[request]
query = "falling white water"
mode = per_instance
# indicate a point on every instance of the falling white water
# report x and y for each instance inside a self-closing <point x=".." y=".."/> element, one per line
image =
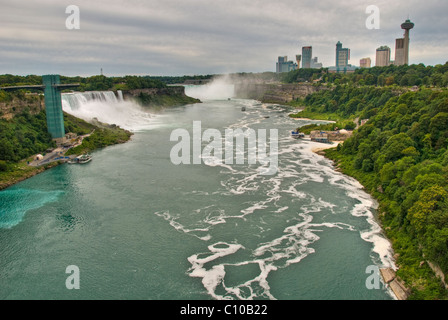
<point x="106" y="107"/>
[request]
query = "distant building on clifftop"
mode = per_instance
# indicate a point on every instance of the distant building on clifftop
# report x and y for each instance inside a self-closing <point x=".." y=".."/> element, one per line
<point x="342" y="58"/>
<point x="283" y="65"/>
<point x="382" y="56"/>
<point x="307" y="54"/>
<point x="365" y="63"/>
<point x="315" y="64"/>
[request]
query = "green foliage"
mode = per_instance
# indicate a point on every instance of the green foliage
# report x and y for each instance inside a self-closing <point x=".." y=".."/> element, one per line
<point x="76" y="125"/>
<point x="24" y="136"/>
<point x="134" y="82"/>
<point x="93" y="83"/>
<point x="181" y="79"/>
<point x="12" y="80"/>
<point x="348" y="101"/>
<point x="303" y="75"/>
<point x="101" y="138"/>
<point x="164" y="100"/>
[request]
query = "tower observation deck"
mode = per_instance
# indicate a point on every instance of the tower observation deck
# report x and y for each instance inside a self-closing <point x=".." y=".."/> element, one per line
<point x="402" y="45"/>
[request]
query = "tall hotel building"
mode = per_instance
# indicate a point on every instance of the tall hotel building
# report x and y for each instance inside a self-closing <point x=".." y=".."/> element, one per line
<point x="342" y="56"/>
<point x="307" y="54"/>
<point x="382" y="56"/>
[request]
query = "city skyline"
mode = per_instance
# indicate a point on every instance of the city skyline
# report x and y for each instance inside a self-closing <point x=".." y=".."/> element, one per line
<point x="382" y="54"/>
<point x="199" y="37"/>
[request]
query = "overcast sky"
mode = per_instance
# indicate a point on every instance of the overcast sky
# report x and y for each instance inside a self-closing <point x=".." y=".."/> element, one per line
<point x="187" y="37"/>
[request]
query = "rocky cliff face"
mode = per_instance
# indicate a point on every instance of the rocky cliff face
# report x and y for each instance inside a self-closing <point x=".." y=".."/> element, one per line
<point x="33" y="103"/>
<point x="275" y="93"/>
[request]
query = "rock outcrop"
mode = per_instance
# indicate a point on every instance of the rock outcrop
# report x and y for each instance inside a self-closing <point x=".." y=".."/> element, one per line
<point x="275" y="93"/>
<point x="397" y="286"/>
<point x="33" y="103"/>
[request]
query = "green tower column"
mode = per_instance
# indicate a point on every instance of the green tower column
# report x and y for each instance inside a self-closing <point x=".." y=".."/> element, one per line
<point x="53" y="106"/>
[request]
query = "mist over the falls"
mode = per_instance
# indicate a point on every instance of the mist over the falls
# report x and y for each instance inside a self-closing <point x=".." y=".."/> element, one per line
<point x="220" y="88"/>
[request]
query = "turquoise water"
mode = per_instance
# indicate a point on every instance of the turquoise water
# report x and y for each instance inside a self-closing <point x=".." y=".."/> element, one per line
<point x="139" y="227"/>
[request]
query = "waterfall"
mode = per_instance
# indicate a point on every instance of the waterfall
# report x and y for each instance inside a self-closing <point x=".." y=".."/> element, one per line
<point x="107" y="107"/>
<point x="76" y="100"/>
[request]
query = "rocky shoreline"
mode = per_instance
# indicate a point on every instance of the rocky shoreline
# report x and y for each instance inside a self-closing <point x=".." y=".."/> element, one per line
<point x="396" y="285"/>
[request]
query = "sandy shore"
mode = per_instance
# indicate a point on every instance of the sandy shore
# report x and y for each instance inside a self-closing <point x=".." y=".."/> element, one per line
<point x="301" y="118"/>
<point x="308" y="119"/>
<point x="326" y="146"/>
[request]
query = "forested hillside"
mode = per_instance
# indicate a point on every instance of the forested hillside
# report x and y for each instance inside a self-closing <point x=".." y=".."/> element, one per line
<point x="401" y="156"/>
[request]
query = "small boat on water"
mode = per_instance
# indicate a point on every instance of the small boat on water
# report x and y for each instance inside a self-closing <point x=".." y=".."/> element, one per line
<point x="81" y="159"/>
<point x="243" y="108"/>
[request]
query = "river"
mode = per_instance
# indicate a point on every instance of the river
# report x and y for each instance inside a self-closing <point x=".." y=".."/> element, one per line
<point x="138" y="226"/>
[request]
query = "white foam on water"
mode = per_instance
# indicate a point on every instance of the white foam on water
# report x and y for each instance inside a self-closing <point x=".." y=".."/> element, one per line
<point x="298" y="165"/>
<point x="179" y="227"/>
<point x="213" y="277"/>
<point x="290" y="248"/>
<point x="382" y="247"/>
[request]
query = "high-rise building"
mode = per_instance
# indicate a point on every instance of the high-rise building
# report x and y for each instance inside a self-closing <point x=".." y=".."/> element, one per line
<point x="399" y="52"/>
<point x="342" y="56"/>
<point x="402" y="44"/>
<point x="382" y="56"/>
<point x="365" y="63"/>
<point x="307" y="54"/>
<point x="283" y="65"/>
<point x="315" y="64"/>
<point x="280" y="62"/>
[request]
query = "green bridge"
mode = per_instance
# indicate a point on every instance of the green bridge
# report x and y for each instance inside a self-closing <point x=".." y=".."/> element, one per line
<point x="53" y="103"/>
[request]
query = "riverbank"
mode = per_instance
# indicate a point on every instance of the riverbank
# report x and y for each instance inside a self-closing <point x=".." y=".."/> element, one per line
<point x="397" y="286"/>
<point x="321" y="149"/>
<point x="104" y="135"/>
<point x="21" y="172"/>
<point x="416" y="276"/>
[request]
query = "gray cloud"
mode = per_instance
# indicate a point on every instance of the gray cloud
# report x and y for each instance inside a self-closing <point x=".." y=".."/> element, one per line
<point x="201" y="36"/>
